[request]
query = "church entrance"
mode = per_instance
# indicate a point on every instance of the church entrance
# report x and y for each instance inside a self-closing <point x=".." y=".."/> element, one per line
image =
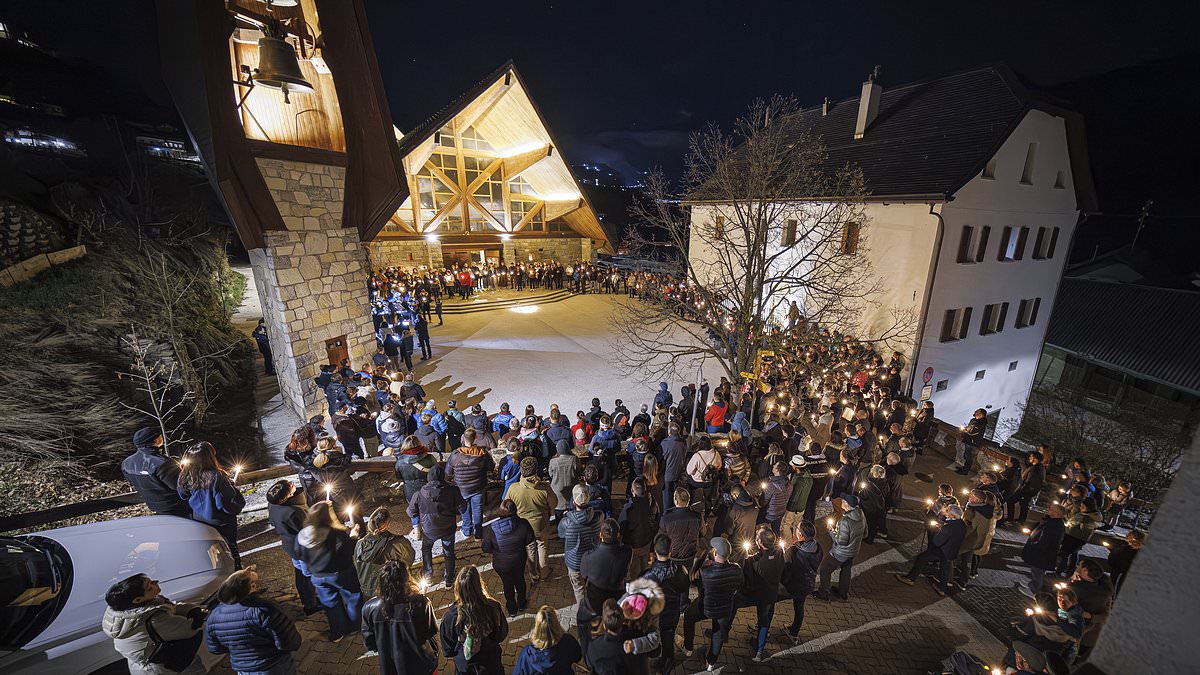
<point x="469" y="255"/>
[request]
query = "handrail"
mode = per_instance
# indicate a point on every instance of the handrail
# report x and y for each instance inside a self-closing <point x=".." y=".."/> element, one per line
<point x="21" y="521"/>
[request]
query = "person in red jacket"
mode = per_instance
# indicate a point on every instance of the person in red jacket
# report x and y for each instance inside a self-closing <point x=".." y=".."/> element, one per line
<point x="714" y="417"/>
<point x="465" y="283"/>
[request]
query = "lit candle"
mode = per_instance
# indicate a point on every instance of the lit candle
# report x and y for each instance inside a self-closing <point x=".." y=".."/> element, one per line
<point x="966" y="491"/>
<point x="1028" y="611"/>
<point x="934" y="523"/>
<point x="1056" y="502"/>
<point x="830" y="522"/>
<point x="995" y="467"/>
<point x="1026" y="530"/>
<point x="1064" y="476"/>
<point x="862" y="485"/>
<point x="832" y="472"/>
<point x="1106" y="544"/>
<point x="328" y="490"/>
<point x="183" y="461"/>
<point x="914" y="412"/>
<point x="763" y="485"/>
<point x="746" y="546"/>
<point x="1062" y="491"/>
<point x="237" y="469"/>
<point x="350" y="515"/>
<point x="929" y="501"/>
<point x="997" y="670"/>
<point x="422" y="584"/>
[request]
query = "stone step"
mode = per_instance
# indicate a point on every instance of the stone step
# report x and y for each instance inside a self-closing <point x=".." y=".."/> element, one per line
<point x="489" y="305"/>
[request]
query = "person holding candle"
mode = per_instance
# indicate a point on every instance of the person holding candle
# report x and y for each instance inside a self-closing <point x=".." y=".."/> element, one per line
<point x="942" y="548"/>
<point x="1041" y="549"/>
<point x="400" y="625"/>
<point x="154" y="475"/>
<point x="286" y="510"/>
<point x="763" y="572"/>
<point x="847" y="534"/>
<point x="205" y="486"/>
<point x="720" y="581"/>
<point x="436" y="507"/>
<point x="326" y="548"/>
<point x="971" y="439"/>
<point x="802" y="559"/>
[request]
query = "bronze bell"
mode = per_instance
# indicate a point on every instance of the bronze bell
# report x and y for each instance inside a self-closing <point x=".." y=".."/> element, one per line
<point x="278" y="67"/>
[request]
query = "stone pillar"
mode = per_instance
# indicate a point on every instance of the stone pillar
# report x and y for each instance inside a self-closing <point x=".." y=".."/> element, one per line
<point x="585" y="250"/>
<point x="311" y="279"/>
<point x="1151" y="626"/>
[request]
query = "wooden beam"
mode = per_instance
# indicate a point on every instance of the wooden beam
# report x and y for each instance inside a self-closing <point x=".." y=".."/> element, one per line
<point x="517" y="164"/>
<point x="529" y="216"/>
<point x="481" y="106"/>
<point x="558" y="209"/>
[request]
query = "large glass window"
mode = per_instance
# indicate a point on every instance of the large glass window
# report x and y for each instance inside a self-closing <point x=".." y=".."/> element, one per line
<point x="471" y="140"/>
<point x="447" y="163"/>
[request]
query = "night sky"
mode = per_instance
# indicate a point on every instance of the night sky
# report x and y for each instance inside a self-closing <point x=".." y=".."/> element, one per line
<point x="624" y="83"/>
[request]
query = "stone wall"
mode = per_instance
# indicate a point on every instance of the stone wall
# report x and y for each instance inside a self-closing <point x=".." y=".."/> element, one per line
<point x="565" y="250"/>
<point x="405" y="253"/>
<point x="311" y="279"/>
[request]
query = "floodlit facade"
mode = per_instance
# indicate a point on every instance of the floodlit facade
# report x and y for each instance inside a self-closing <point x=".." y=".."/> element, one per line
<point x="487" y="183"/>
<point x="975" y="189"/>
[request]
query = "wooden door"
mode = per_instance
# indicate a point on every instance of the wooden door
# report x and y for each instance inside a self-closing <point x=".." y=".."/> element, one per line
<point x="335" y="349"/>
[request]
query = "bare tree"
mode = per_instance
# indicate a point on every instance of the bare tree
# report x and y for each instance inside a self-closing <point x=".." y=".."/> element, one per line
<point x="163" y="394"/>
<point x="771" y="221"/>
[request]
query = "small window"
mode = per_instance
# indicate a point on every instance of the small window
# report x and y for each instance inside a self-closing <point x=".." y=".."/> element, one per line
<point x="1060" y="180"/>
<point x="955" y="324"/>
<point x="979" y="375"/>
<point x="789" y="234"/>
<point x="850" y="232"/>
<point x="989" y="169"/>
<point x="1012" y="365"/>
<point x="993" y="318"/>
<point x="973" y="244"/>
<point x="1045" y="243"/>
<point x="1053" y="243"/>
<point x="1012" y="244"/>
<point x="942" y="385"/>
<point x="1030" y="160"/>
<point x="1027" y="312"/>
<point x="719" y="228"/>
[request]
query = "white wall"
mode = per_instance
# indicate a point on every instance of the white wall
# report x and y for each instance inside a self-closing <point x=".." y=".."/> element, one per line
<point x="999" y="202"/>
<point x="898" y="240"/>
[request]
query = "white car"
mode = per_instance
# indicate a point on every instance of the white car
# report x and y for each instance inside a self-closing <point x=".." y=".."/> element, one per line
<point x="53" y="583"/>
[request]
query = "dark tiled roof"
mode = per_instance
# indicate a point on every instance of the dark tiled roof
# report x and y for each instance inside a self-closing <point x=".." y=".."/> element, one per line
<point x="930" y="137"/>
<point x="443" y="116"/>
<point x="1153" y="333"/>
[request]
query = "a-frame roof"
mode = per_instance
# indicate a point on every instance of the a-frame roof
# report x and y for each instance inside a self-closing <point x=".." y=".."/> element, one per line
<point x="501" y="110"/>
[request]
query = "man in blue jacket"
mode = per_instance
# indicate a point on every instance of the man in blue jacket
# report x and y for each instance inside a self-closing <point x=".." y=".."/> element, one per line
<point x="255" y="632"/>
<point x="154" y="475"/>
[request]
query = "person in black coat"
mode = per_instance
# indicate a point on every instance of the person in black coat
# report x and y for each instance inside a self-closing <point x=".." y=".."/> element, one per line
<point x="1041" y="549"/>
<point x="400" y="625"/>
<point x="604" y="569"/>
<point x="505" y="539"/>
<point x="942" y="548"/>
<point x="155" y="476"/>
<point x="720" y="581"/>
<point x="800" y="573"/>
<point x="673" y="579"/>
<point x="1030" y="483"/>
<point x="971" y="439"/>
<point x="638" y="526"/>
<point x="473" y="628"/>
<point x="326" y="548"/>
<point x="763" y="572"/>
<point x="286" y="509"/>
<point x="436" y="507"/>
<point x="609" y="654"/>
<point x="683" y="526"/>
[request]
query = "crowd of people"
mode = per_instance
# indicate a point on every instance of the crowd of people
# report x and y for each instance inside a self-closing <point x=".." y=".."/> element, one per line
<point x="696" y="506"/>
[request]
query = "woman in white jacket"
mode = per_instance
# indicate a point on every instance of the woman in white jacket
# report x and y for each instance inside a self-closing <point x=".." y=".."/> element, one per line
<point x="135" y="608"/>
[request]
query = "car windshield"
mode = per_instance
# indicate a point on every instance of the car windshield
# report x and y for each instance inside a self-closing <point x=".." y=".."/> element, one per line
<point x="35" y="575"/>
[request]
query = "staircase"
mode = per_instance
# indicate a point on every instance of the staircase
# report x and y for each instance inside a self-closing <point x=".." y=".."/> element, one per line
<point x="478" y="304"/>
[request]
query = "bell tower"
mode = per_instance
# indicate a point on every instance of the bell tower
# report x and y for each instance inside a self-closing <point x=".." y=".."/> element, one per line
<point x="284" y="102"/>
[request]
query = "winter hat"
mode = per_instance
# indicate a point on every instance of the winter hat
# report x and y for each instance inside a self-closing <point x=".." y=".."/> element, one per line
<point x="476" y="409"/>
<point x="580" y="435"/>
<point x="390" y="426"/>
<point x="145" y="436"/>
<point x="529" y="467"/>
<point x="721" y="546"/>
<point x="644" y="407"/>
<point x="850" y="500"/>
<point x="633" y="606"/>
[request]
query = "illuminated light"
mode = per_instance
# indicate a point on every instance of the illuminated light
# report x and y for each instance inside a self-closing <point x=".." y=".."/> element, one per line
<point x="1038" y="610"/>
<point x="966" y="491"/>
<point x="350" y="513"/>
<point x="1060" y="585"/>
<point x="183" y="461"/>
<point x="1106" y="544"/>
<point x="522" y="148"/>
<point x="862" y="485"/>
<point x="995" y="467"/>
<point x="934" y="523"/>
<point x="328" y="491"/>
<point x="1028" y="611"/>
<point x="237" y="469"/>
<point x="1026" y="530"/>
<point x="432" y="236"/>
<point x="929" y="501"/>
<point x="782" y="545"/>
<point x="763" y="485"/>
<point x="746" y="546"/>
<point x="422" y="584"/>
<point x="832" y="472"/>
<point x="1064" y="476"/>
<point x="914" y="412"/>
<point x="830" y="522"/>
<point x="997" y="670"/>
<point x="1057" y="503"/>
<point x="504" y="236"/>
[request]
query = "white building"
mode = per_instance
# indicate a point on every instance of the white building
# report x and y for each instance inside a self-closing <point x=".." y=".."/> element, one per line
<point x="976" y="186"/>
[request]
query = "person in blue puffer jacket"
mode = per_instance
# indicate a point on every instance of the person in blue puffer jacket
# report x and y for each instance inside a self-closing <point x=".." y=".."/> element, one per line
<point x="552" y="651"/>
<point x="257" y="634"/>
<point x="208" y="490"/>
<point x="502" y="420"/>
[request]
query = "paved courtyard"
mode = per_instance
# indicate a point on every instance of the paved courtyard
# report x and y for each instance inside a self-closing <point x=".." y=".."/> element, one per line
<point x="562" y="352"/>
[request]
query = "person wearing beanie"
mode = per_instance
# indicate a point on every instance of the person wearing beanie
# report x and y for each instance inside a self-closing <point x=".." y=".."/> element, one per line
<point x="535" y="501"/>
<point x="580" y="531"/>
<point x="847" y="534"/>
<point x="564" y="474"/>
<point x="720" y="581"/>
<point x="507" y="539"/>
<point x="153" y="475"/>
